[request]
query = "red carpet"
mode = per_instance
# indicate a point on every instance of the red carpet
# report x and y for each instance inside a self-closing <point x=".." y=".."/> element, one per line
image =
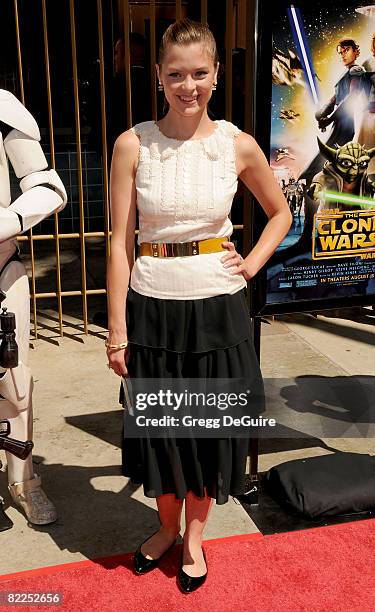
<point x="330" y="569"/>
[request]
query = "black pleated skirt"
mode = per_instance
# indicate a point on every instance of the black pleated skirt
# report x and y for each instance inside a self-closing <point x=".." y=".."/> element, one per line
<point x="203" y="338"/>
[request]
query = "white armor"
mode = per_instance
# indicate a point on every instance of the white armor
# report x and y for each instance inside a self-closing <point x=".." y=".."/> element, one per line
<point x="42" y="194"/>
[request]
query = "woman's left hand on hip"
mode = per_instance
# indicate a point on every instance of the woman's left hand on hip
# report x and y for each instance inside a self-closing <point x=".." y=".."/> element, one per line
<point x="236" y="262"/>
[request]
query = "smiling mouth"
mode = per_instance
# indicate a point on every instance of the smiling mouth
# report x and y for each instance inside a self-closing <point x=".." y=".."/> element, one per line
<point x="188" y="98"/>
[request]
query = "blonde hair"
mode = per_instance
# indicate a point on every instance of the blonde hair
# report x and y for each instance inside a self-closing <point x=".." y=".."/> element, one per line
<point x="184" y="32"/>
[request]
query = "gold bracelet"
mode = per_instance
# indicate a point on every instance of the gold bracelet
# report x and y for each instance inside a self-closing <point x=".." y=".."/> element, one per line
<point x="122" y="345"/>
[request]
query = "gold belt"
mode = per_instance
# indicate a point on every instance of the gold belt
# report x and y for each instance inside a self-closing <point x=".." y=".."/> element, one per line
<point x="181" y="249"/>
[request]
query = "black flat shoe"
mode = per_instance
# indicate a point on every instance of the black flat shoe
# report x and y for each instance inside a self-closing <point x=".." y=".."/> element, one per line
<point x="187" y="583"/>
<point x="141" y="564"/>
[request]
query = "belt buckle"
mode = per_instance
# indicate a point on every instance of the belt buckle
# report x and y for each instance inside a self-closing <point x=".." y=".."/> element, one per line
<point x="180" y="249"/>
<point x="175" y="249"/>
<point x="185" y="249"/>
<point x="188" y="248"/>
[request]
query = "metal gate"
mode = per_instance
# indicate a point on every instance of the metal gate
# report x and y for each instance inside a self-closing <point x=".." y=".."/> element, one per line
<point x="85" y="69"/>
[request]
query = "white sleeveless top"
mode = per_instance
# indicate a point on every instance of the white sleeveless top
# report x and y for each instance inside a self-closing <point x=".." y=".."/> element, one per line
<point x="185" y="190"/>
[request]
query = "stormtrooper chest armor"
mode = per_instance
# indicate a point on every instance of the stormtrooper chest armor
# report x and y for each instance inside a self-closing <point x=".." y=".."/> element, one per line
<point x="42" y="190"/>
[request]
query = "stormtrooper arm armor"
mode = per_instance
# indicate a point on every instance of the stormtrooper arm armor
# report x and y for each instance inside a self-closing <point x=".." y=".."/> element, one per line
<point x="43" y="192"/>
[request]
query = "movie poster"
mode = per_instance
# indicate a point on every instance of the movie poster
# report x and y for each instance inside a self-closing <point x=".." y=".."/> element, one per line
<point x="322" y="149"/>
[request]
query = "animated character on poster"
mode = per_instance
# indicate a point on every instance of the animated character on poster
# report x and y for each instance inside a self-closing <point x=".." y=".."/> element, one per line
<point x="339" y="110"/>
<point x="294" y="195"/>
<point x="366" y="135"/>
<point x="345" y="171"/>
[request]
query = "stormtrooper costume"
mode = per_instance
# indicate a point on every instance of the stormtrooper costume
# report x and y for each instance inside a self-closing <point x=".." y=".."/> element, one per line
<point x="43" y="193"/>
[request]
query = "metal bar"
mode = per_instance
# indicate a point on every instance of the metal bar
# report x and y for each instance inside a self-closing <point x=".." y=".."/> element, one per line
<point x="254" y="457"/>
<point x="53" y="162"/>
<point x="178" y="9"/>
<point x="53" y="294"/>
<point x="22" y="91"/>
<point x="104" y="127"/>
<point x="129" y="119"/>
<point x="250" y="65"/>
<point x="19" y="55"/>
<point x="79" y="163"/>
<point x="241" y="24"/>
<point x="64" y="236"/>
<point x="204" y="11"/>
<point x="248" y="213"/>
<point x="153" y="60"/>
<point x="254" y="442"/>
<point x="250" y="87"/>
<point x="249" y="122"/>
<point x="228" y="59"/>
<point x="33" y="283"/>
<point x="48" y="84"/>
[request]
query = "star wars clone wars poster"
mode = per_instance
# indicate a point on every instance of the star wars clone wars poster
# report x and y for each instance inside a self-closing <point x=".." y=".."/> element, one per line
<point x="322" y="150"/>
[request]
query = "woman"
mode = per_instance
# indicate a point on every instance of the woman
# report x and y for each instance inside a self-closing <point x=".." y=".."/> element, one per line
<point x="186" y="313"/>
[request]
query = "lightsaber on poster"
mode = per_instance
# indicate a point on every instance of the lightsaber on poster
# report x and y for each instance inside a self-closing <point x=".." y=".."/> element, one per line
<point x="334" y="196"/>
<point x="300" y="39"/>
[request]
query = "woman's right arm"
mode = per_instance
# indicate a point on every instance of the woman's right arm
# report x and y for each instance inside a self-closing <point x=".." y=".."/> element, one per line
<point x="120" y="262"/>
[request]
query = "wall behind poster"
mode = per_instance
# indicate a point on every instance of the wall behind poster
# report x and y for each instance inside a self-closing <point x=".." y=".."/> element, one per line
<point x="329" y="252"/>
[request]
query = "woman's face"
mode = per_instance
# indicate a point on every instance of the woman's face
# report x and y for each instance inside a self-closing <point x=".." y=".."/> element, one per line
<point x="187" y="74"/>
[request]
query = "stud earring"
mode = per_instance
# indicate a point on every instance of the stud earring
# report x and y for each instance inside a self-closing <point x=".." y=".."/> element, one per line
<point x="214" y="87"/>
<point x="160" y="87"/>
